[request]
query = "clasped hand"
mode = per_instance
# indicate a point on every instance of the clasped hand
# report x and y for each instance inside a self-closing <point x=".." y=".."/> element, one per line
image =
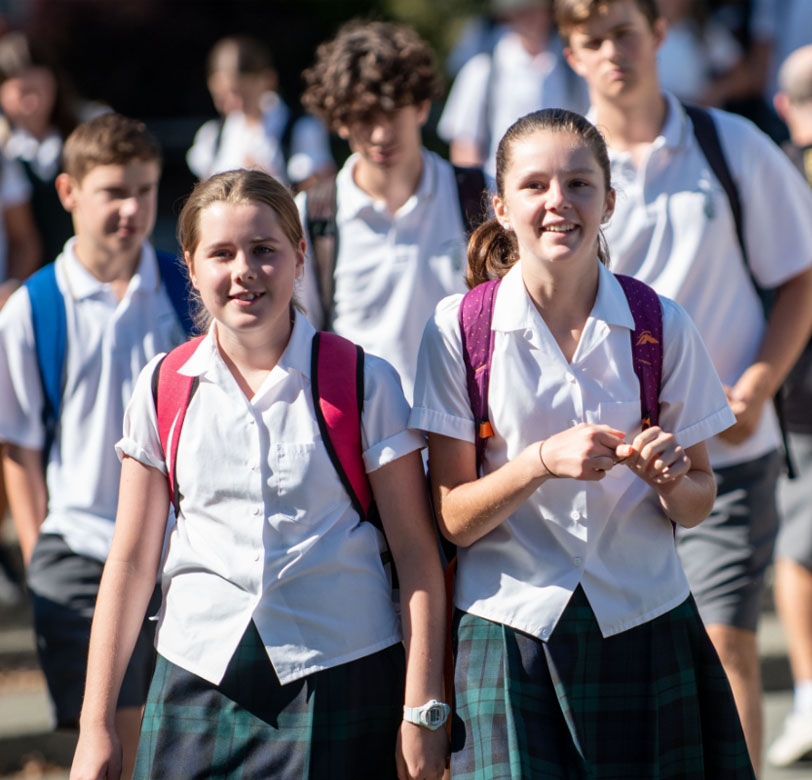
<point x="587" y="452"/>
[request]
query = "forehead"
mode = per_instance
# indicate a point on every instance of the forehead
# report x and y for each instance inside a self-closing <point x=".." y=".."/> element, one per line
<point x="132" y="173"/>
<point x="222" y="219"/>
<point x="548" y="151"/>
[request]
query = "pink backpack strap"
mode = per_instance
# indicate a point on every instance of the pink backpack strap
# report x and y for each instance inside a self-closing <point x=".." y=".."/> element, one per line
<point x="337" y="383"/>
<point x="647" y="345"/>
<point x="172" y="393"/>
<point x="475" y="318"/>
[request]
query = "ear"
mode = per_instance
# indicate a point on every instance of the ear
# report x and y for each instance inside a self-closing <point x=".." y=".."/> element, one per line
<point x="660" y="30"/>
<point x="300" y="258"/>
<point x="608" y="206"/>
<point x="423" y="112"/>
<point x="500" y="211"/>
<point x="66" y="188"/>
<point x="343" y="132"/>
<point x="574" y="62"/>
<point x="782" y="106"/>
<point x="190" y="268"/>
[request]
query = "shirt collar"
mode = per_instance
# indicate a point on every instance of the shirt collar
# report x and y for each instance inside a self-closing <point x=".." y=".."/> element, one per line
<point x="354" y="200"/>
<point x="296" y="356"/>
<point x="514" y="309"/>
<point x="83" y="284"/>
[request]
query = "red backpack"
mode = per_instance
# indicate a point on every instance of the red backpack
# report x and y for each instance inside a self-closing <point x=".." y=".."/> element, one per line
<point x="337" y="384"/>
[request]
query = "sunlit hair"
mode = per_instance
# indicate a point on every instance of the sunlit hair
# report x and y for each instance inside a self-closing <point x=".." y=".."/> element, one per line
<point x="109" y="139"/>
<point x="369" y="68"/>
<point x="492" y="250"/>
<point x="238" y="187"/>
<point x="570" y="13"/>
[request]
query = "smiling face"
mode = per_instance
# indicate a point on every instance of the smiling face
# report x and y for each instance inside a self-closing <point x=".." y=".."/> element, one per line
<point x="554" y="197"/>
<point x="244" y="267"/>
<point x="615" y="51"/>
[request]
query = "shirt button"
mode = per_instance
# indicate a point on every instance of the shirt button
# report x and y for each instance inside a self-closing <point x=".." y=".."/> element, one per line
<point x="577" y="561"/>
<point x="528" y="334"/>
<point x="570" y="378"/>
<point x="573" y="423"/>
<point x="575" y="516"/>
<point x="256" y="556"/>
<point x="256" y="510"/>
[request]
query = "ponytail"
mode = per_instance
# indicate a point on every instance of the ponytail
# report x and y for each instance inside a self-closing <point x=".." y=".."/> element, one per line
<point x="492" y="251"/>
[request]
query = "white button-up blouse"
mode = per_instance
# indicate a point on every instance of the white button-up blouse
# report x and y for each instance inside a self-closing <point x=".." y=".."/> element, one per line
<point x="611" y="536"/>
<point x="265" y="530"/>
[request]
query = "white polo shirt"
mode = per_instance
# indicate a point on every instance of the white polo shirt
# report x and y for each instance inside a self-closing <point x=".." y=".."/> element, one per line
<point x="673" y="229"/>
<point x="108" y="343"/>
<point x="611" y="536"/>
<point x="492" y="90"/>
<point x="391" y="270"/>
<point x="266" y="530"/>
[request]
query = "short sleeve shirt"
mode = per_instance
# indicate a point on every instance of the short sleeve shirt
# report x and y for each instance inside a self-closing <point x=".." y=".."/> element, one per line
<point x="609" y="536"/>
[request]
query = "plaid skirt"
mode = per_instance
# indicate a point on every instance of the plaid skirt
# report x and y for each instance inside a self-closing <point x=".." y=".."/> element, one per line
<point x="651" y="702"/>
<point x="340" y="723"/>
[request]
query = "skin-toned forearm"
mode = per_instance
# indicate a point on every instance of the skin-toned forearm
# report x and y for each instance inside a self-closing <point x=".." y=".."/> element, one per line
<point x="788" y="330"/>
<point x="401" y="495"/>
<point x="27" y="494"/>
<point x="25" y="247"/>
<point x="472" y="508"/>
<point x="690" y="501"/>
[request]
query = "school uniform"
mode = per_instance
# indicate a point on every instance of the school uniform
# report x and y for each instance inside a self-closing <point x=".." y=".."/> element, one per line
<point x="227" y="143"/>
<point x="494" y="89"/>
<point x="583" y="574"/>
<point x="271" y="582"/>
<point x="108" y="342"/>
<point x="391" y="269"/>
<point x="673" y="229"/>
<point x="14" y="190"/>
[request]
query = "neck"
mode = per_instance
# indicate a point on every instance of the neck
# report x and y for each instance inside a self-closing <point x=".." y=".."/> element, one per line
<point x="251" y="356"/>
<point x="395" y="185"/>
<point x="630" y="123"/>
<point x="105" y="266"/>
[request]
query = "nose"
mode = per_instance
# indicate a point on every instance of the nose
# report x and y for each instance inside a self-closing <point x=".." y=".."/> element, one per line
<point x="380" y="129"/>
<point x="129" y="206"/>
<point x="556" y="196"/>
<point x="241" y="266"/>
<point x="609" y="49"/>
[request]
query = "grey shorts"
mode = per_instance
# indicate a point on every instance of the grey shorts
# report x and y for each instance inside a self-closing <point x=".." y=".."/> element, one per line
<point x="725" y="557"/>
<point x="795" y="505"/>
<point x="63" y="587"/>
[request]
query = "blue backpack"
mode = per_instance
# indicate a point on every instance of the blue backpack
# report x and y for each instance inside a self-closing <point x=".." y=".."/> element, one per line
<point x="49" y="321"/>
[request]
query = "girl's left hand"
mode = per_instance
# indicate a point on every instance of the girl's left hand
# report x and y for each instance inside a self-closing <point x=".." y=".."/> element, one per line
<point x="656" y="458"/>
<point x="421" y="753"/>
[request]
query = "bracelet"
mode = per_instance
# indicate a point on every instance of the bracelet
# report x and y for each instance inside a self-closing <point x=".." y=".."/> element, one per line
<point x="546" y="467"/>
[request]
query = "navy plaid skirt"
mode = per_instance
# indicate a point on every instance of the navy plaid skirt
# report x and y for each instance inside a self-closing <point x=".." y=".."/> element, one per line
<point x="651" y="702"/>
<point x="340" y="723"/>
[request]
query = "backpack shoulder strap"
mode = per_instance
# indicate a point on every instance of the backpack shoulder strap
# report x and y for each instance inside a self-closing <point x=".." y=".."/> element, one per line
<point x="49" y="321"/>
<point x="471" y="192"/>
<point x="337" y="383"/>
<point x="647" y="345"/>
<point x="172" y="392"/>
<point x="475" y="317"/>
<point x="707" y="136"/>
<point x="321" y="207"/>
<point x="177" y="288"/>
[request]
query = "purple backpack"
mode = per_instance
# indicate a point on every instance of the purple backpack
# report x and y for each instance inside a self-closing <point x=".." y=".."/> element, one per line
<point x="476" y="315"/>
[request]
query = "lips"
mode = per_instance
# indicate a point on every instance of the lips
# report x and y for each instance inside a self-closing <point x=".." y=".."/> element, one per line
<point x="562" y="227"/>
<point x="246" y="297"/>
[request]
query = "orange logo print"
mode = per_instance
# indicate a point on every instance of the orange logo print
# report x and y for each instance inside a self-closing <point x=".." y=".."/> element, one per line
<point x="646" y="338"/>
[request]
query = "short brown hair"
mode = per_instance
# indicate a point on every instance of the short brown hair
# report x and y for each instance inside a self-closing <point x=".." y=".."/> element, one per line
<point x="571" y="13"/>
<point x="368" y="68"/>
<point x="108" y="139"/>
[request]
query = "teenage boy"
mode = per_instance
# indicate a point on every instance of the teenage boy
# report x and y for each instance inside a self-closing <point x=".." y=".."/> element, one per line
<point x="399" y="242"/>
<point x="673" y="227"/>
<point x="792" y="585"/>
<point x="63" y="487"/>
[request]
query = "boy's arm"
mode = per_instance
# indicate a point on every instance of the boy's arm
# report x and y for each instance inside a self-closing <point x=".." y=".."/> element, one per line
<point x="24" y="245"/>
<point x="788" y="331"/>
<point x="27" y="493"/>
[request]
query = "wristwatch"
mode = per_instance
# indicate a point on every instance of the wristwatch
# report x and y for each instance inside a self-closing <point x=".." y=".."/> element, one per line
<point x="432" y="714"/>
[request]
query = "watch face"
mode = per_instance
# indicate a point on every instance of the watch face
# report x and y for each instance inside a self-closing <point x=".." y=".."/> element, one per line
<point x="435" y="716"/>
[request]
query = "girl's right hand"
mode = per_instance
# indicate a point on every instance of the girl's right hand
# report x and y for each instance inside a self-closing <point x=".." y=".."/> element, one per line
<point x="97" y="756"/>
<point x="583" y="452"/>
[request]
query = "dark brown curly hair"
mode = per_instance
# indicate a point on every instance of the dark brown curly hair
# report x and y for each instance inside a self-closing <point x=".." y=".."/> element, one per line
<point x="369" y="68"/>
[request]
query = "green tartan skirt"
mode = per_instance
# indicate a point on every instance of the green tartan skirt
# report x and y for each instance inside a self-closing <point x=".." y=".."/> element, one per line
<point x="340" y="723"/>
<point x="651" y="703"/>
